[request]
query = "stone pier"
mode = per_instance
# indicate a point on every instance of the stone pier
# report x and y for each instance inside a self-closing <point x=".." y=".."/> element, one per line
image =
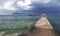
<point x="42" y="28"/>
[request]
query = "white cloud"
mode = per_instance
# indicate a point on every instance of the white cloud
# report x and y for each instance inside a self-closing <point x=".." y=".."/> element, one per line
<point x="0" y="7"/>
<point x="42" y="1"/>
<point x="2" y="13"/>
<point x="9" y="5"/>
<point x="46" y="1"/>
<point x="25" y="4"/>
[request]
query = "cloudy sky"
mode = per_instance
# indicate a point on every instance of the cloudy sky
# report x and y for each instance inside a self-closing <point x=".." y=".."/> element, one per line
<point x="8" y="7"/>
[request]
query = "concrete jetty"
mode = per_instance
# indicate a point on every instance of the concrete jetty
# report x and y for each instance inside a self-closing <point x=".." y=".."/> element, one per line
<point x="42" y="28"/>
<point x="43" y="23"/>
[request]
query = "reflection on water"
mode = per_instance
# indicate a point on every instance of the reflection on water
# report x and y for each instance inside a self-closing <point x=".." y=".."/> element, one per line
<point x="15" y="24"/>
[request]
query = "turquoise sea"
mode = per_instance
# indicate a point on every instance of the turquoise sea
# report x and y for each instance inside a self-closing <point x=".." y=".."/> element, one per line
<point x="10" y="23"/>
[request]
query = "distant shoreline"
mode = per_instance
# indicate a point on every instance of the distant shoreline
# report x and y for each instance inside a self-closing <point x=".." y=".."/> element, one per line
<point x="34" y="15"/>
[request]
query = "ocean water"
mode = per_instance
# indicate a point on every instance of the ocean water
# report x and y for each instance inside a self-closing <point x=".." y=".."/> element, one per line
<point x="17" y="21"/>
<point x="55" y="22"/>
<point x="13" y="24"/>
<point x="10" y="23"/>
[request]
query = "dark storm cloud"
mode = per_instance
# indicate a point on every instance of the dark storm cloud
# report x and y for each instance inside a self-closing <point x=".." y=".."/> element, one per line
<point x="53" y="7"/>
<point x="37" y="6"/>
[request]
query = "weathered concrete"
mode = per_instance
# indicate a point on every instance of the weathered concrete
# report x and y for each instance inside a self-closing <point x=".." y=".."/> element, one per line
<point x="43" y="23"/>
<point x="42" y="28"/>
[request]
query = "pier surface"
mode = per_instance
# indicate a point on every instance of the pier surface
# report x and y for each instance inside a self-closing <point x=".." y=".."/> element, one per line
<point x="43" y="23"/>
<point x="42" y="28"/>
